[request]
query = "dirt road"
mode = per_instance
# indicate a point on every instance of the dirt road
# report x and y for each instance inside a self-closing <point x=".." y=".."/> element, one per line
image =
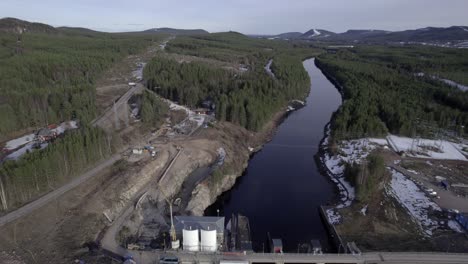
<point x="109" y="113"/>
<point x="28" y="208"/>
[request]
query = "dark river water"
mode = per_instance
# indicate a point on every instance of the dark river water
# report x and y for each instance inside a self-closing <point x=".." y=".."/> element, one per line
<point x="282" y="188"/>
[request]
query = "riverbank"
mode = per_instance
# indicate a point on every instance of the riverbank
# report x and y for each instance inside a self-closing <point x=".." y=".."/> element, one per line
<point x="283" y="176"/>
<point x="206" y="192"/>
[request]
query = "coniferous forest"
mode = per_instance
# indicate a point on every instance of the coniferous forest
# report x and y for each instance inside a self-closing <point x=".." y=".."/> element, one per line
<point x="46" y="79"/>
<point x="248" y="98"/>
<point x="385" y="91"/>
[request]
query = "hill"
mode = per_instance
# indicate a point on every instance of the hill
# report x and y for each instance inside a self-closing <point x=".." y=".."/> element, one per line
<point x="14" y="25"/>
<point x="78" y="31"/>
<point x="317" y="34"/>
<point x="175" y="31"/>
<point x="457" y="35"/>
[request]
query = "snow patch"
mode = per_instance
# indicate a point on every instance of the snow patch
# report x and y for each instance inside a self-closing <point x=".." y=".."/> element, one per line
<point x="268" y="68"/>
<point x="333" y="216"/>
<point x="18" y="142"/>
<point x="315" y="34"/>
<point x="425" y="148"/>
<point x="455" y="226"/>
<point x="364" y="210"/>
<point x="414" y="200"/>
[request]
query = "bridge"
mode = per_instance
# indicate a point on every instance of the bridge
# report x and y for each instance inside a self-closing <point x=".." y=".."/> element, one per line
<point x="152" y="257"/>
<point x="371" y="257"/>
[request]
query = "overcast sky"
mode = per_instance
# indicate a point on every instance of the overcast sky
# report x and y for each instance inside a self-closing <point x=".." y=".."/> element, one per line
<point x="246" y="16"/>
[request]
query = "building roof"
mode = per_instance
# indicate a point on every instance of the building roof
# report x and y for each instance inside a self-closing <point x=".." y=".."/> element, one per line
<point x="44" y="132"/>
<point x="199" y="222"/>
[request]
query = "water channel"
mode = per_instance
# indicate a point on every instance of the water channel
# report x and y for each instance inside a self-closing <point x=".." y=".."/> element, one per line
<point x="282" y="188"/>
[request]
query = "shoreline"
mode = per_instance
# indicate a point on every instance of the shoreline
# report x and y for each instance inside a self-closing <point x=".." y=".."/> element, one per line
<point x="270" y="132"/>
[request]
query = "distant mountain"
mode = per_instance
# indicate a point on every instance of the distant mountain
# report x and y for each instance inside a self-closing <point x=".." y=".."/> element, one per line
<point x="289" y="35"/>
<point x="317" y="34"/>
<point x="18" y="26"/>
<point x="429" y="35"/>
<point x="14" y="25"/>
<point x="176" y="31"/>
<point x="78" y="30"/>
<point x="358" y="34"/>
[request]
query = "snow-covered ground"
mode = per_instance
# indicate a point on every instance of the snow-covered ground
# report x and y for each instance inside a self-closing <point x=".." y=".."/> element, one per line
<point x="191" y="115"/>
<point x="268" y="68"/>
<point x="138" y="73"/>
<point x="27" y="142"/>
<point x="333" y="216"/>
<point x="447" y="81"/>
<point x="455" y="226"/>
<point x="18" y="142"/>
<point x="425" y="148"/>
<point x="414" y="200"/>
<point x="352" y="151"/>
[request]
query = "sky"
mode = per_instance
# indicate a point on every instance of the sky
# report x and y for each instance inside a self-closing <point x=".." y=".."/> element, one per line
<point x="245" y="16"/>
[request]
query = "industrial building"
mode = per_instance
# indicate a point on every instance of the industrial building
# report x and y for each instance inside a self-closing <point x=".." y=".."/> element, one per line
<point x="200" y="233"/>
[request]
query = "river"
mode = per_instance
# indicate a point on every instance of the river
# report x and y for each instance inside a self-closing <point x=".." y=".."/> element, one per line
<point x="282" y="188"/>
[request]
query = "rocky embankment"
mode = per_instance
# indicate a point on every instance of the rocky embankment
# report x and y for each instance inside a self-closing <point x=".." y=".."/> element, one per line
<point x="239" y="145"/>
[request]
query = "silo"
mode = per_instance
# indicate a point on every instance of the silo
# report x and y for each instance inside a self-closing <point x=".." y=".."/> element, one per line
<point x="208" y="240"/>
<point x="191" y="240"/>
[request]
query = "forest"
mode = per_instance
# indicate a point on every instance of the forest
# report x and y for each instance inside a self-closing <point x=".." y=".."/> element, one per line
<point x="48" y="78"/>
<point x="248" y="98"/>
<point x="44" y="170"/>
<point x="383" y="93"/>
<point x="152" y="110"/>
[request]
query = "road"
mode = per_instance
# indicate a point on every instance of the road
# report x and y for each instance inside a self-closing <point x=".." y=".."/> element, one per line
<point x="28" y="208"/>
<point x="447" y="199"/>
<point x="109" y="113"/>
<point x="371" y="257"/>
<point x="150" y="257"/>
<point x="109" y="241"/>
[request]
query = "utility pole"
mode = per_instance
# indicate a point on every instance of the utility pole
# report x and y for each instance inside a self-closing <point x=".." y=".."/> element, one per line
<point x="172" y="231"/>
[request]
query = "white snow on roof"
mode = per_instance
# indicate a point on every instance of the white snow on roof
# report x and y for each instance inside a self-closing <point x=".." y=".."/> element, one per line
<point x="414" y="200"/>
<point x="425" y="148"/>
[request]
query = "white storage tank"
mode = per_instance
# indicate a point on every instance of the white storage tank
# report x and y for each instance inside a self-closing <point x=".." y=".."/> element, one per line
<point x="208" y="240"/>
<point x="190" y="240"/>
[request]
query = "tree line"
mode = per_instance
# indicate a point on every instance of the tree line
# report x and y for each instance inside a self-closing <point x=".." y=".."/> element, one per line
<point x="50" y="78"/>
<point x="380" y="96"/>
<point x="41" y="171"/>
<point x="246" y="98"/>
